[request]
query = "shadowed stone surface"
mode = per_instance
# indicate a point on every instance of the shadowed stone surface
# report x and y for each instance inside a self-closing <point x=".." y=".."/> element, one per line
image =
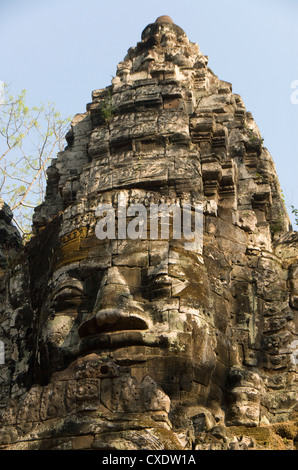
<point x="144" y="344"/>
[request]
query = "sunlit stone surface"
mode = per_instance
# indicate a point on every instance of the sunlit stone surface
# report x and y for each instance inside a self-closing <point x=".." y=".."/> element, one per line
<point x="145" y="344"/>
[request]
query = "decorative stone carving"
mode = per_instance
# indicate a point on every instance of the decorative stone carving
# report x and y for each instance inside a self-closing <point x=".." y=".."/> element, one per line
<point x="143" y="343"/>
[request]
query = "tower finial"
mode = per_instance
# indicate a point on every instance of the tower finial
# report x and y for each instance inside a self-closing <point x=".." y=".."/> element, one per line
<point x="164" y="19"/>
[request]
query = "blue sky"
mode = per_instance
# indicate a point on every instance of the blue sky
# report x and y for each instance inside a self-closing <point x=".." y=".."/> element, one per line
<point x="61" y="50"/>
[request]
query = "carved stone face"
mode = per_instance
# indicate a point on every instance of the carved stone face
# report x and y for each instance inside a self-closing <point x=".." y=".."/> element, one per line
<point x="124" y="297"/>
<point x="145" y="326"/>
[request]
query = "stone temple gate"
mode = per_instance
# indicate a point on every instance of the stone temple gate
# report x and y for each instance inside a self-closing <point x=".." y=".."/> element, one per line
<point x="140" y="343"/>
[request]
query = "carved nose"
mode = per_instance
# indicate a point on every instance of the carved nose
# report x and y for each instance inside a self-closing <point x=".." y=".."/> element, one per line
<point x="114" y="290"/>
<point x="114" y="309"/>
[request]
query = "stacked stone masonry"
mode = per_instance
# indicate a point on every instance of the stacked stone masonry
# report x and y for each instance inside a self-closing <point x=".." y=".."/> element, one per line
<point x="140" y="344"/>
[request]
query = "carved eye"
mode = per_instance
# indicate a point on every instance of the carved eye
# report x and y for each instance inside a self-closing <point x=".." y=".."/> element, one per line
<point x="159" y="286"/>
<point x="162" y="280"/>
<point x="68" y="298"/>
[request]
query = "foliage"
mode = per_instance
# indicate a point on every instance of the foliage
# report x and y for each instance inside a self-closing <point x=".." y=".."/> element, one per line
<point x="29" y="139"/>
<point x="107" y="108"/>
<point x="295" y="212"/>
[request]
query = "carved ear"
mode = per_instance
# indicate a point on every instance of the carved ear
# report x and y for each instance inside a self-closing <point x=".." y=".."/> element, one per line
<point x="293" y="285"/>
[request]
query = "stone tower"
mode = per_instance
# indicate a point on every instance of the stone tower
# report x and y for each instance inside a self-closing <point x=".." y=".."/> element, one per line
<point x="142" y="342"/>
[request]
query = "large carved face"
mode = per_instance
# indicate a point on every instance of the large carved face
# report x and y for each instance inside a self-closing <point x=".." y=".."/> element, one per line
<point x="145" y="300"/>
<point x="145" y="324"/>
<point x="125" y="297"/>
